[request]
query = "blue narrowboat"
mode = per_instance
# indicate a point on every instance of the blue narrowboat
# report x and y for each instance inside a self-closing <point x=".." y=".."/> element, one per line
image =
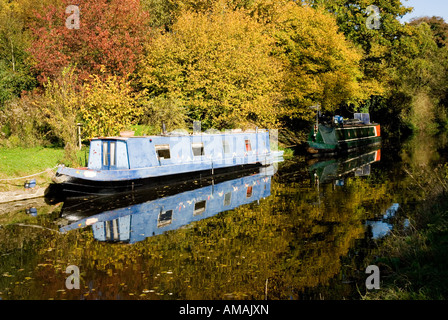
<point x="118" y="164"/>
<point x="133" y="220"/>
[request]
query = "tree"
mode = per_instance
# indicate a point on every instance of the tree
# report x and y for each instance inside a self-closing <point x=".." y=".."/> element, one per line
<point x="110" y="105"/>
<point x="420" y="78"/>
<point x="15" y="71"/>
<point x="396" y="56"/>
<point x="438" y="26"/>
<point x="378" y="44"/>
<point x="218" y="66"/>
<point x="314" y="62"/>
<point x="59" y="104"/>
<point x="110" y="36"/>
<point x="323" y="67"/>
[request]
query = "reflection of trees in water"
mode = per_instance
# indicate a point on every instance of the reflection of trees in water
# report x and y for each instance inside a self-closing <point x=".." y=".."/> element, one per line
<point x="422" y="149"/>
<point x="287" y="243"/>
<point x="329" y="230"/>
<point x="292" y="243"/>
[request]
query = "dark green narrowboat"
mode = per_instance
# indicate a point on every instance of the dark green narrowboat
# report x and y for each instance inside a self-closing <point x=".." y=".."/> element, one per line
<point x="340" y="135"/>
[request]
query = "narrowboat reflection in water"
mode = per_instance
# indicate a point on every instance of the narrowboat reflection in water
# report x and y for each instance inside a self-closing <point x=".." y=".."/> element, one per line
<point x="135" y="216"/>
<point x="335" y="169"/>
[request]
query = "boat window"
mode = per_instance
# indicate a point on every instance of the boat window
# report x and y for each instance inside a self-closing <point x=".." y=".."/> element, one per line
<point x="249" y="192"/>
<point x="226" y="146"/>
<point x="165" y="218"/>
<point x="109" y="153"/>
<point x="199" y="207"/>
<point x="198" y="148"/>
<point x="105" y="153"/>
<point x="112" y="149"/>
<point x="163" y="151"/>
<point x="227" y="198"/>
<point x="112" y="232"/>
<point x="248" y="146"/>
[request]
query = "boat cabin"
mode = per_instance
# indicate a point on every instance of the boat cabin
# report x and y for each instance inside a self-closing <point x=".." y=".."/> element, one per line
<point x="120" y="153"/>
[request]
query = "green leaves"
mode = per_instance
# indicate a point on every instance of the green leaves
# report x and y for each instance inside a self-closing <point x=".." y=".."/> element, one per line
<point x="15" y="74"/>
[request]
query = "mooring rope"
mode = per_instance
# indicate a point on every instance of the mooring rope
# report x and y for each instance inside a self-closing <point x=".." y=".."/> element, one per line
<point x="32" y="175"/>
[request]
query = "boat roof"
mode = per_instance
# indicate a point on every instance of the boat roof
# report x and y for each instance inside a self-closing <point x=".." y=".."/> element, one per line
<point x="181" y="134"/>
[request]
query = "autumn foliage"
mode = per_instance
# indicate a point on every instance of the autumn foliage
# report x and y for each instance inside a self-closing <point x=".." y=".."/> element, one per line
<point x="110" y="34"/>
<point x="219" y="67"/>
<point x="110" y="105"/>
<point x="227" y="63"/>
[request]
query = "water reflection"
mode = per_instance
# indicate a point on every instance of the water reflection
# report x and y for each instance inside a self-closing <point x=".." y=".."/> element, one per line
<point x="307" y="239"/>
<point x="382" y="226"/>
<point x="134" y="217"/>
<point x="333" y="170"/>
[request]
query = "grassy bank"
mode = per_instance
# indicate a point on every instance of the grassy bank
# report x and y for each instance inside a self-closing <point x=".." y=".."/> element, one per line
<point x="21" y="162"/>
<point x="414" y="262"/>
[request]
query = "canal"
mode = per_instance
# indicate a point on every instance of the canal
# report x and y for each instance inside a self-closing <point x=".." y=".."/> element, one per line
<point x="304" y="229"/>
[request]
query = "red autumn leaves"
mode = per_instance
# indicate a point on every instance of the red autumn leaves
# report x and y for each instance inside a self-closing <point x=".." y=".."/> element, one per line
<point x="109" y="39"/>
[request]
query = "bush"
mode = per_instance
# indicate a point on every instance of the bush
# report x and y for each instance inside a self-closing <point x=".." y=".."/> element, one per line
<point x="59" y="105"/>
<point x="165" y="110"/>
<point x="218" y="66"/>
<point x="22" y="124"/>
<point x="109" y="107"/>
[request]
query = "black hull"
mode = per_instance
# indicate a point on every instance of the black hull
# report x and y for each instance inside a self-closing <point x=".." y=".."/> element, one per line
<point x="82" y="188"/>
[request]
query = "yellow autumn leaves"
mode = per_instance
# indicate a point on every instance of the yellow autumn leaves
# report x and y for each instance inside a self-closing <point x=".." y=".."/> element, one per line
<point x="323" y="67"/>
<point x="218" y="66"/>
<point x="234" y="68"/>
<point x="104" y="106"/>
<point x="225" y="66"/>
<point x="110" y="106"/>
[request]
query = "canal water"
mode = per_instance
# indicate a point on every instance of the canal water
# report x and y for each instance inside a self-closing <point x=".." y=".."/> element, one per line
<point x="303" y="229"/>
